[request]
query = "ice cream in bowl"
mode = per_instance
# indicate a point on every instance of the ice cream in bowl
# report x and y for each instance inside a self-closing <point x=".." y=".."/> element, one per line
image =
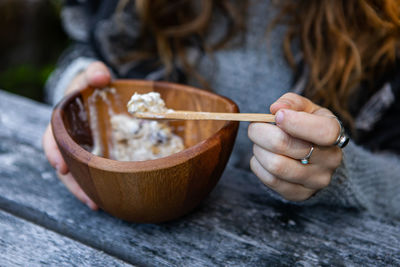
<point x="144" y="170"/>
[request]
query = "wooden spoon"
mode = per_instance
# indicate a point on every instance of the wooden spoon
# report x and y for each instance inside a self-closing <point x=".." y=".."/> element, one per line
<point x="194" y="115"/>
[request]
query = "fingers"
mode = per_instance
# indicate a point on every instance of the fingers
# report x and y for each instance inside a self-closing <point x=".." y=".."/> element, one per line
<point x="295" y="102"/>
<point x="97" y="75"/>
<point x="317" y="129"/>
<point x="301" y="118"/>
<point x="55" y="158"/>
<point x="290" y="191"/>
<point x="300" y="125"/>
<point x="275" y="140"/>
<point x="76" y="190"/>
<point x="52" y="152"/>
<point x="312" y="176"/>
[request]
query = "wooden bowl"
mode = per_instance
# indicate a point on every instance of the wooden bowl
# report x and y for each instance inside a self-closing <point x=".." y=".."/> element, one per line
<point x="154" y="190"/>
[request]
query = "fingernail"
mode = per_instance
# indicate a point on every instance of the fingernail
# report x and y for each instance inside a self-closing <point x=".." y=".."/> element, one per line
<point x="279" y="117"/>
<point x="91" y="205"/>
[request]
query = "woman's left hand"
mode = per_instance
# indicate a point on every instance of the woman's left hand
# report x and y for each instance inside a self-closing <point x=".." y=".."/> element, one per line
<point x="278" y="149"/>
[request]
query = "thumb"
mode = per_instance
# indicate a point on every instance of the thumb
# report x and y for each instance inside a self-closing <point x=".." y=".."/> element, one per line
<point x="97" y="75"/>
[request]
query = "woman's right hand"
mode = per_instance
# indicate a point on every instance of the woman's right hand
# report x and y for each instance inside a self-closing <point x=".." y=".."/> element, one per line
<point x="96" y="75"/>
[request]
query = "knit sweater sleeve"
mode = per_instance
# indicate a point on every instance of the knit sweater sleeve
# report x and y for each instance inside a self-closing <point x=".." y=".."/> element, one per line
<point x="369" y="176"/>
<point x="365" y="180"/>
<point x="99" y="32"/>
<point x="77" y="57"/>
<point x="73" y="61"/>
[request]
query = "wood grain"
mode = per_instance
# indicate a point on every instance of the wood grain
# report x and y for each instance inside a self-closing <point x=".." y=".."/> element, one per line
<point x="239" y="224"/>
<point x="24" y="243"/>
<point x="147" y="191"/>
<point x="197" y="115"/>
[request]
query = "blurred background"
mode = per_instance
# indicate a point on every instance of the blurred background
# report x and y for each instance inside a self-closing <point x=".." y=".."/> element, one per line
<point x="32" y="39"/>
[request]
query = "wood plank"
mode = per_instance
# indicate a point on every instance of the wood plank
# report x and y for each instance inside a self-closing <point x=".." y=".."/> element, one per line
<point x="238" y="224"/>
<point x="23" y="119"/>
<point x="25" y="244"/>
<point x="232" y="226"/>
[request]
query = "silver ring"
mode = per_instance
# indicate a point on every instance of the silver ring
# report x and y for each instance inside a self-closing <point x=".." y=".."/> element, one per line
<point x="343" y="139"/>
<point x="306" y="159"/>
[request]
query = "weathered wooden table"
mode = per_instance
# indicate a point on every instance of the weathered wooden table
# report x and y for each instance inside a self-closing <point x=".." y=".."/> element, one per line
<point x="41" y="223"/>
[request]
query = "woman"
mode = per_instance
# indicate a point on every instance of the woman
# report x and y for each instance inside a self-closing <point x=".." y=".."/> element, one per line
<point x="319" y="58"/>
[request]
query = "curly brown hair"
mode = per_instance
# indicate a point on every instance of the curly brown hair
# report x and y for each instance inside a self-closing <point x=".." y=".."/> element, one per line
<point x="343" y="42"/>
<point x="170" y="27"/>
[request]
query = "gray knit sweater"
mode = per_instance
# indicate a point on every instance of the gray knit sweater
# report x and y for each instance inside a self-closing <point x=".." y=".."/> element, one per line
<point x="253" y="74"/>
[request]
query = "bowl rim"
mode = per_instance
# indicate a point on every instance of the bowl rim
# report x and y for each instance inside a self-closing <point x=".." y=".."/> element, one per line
<point x="80" y="154"/>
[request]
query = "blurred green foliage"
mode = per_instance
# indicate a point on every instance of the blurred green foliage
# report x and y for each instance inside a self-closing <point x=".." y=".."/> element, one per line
<point x="32" y="39"/>
<point x="27" y="80"/>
